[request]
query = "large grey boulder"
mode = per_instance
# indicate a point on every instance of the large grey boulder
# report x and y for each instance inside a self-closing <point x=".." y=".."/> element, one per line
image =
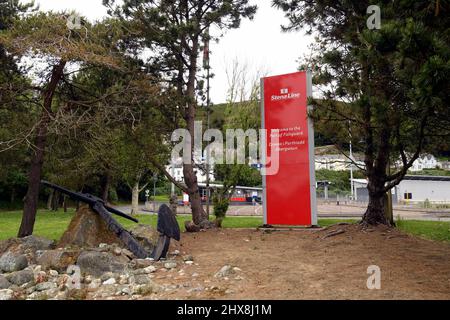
<point x="37" y="243"/>
<point x="4" y="283"/>
<point x="146" y="235"/>
<point x="97" y="263"/>
<point x="29" y="243"/>
<point x="21" y="277"/>
<point x="10" y="262"/>
<point x="87" y="229"/>
<point x="57" y="259"/>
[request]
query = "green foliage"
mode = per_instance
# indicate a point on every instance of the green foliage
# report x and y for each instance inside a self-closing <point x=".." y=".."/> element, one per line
<point x="433" y="230"/>
<point x="51" y="224"/>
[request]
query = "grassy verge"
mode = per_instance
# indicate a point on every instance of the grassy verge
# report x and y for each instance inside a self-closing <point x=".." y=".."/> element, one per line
<point x="51" y="224"/>
<point x="434" y="230"/>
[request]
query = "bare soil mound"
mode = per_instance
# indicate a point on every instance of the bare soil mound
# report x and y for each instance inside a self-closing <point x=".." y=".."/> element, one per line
<point x="309" y="264"/>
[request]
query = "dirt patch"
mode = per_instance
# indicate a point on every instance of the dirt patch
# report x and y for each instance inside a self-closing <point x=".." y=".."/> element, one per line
<point x="308" y="264"/>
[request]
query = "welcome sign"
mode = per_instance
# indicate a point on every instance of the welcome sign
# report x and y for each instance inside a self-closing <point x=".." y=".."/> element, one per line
<point x="289" y="195"/>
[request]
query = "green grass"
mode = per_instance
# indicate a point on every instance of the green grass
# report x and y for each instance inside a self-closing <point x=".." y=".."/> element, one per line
<point x="433" y="230"/>
<point x="52" y="225"/>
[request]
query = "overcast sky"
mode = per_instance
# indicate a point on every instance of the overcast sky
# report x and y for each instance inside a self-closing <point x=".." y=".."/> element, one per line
<point x="259" y="43"/>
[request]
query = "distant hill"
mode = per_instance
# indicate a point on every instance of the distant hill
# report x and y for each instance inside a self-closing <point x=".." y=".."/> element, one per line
<point x="217" y="120"/>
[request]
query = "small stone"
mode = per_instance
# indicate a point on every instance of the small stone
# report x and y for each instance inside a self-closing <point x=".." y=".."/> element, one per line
<point x="64" y="280"/>
<point x="45" y="286"/>
<point x="123" y="279"/>
<point x="176" y="252"/>
<point x="38" y="296"/>
<point x="58" y="259"/>
<point x="170" y="265"/>
<point x="195" y="275"/>
<point x="196" y="289"/>
<point x="237" y="269"/>
<point x="150" y="269"/>
<point x="110" y="281"/>
<point x="4" y="283"/>
<point x="97" y="263"/>
<point x="102" y="245"/>
<point x="188" y="258"/>
<point x="146" y="289"/>
<point x="6" y="294"/>
<point x="10" y="262"/>
<point x="88" y="279"/>
<point x="40" y="276"/>
<point x="107" y="276"/>
<point x="95" y="284"/>
<point x="53" y="273"/>
<point x="229" y="291"/>
<point x="189" y="262"/>
<point x="142" y="279"/>
<point x="34" y="243"/>
<point x="126" y="291"/>
<point x="117" y="251"/>
<point x="21" y="277"/>
<point x="224" y="272"/>
<point x="140" y="263"/>
<point x="238" y="278"/>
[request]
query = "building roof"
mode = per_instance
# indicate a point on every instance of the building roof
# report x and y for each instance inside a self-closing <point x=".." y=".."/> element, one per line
<point x="411" y="177"/>
<point x="215" y="185"/>
<point x="427" y="178"/>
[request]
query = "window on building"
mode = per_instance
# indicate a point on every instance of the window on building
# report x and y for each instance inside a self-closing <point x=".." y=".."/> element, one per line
<point x="408" y="196"/>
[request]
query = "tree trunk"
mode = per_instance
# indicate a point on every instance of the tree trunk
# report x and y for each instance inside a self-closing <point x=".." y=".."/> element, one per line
<point x="50" y="200"/>
<point x="199" y="215"/>
<point x="375" y="213"/>
<point x="135" y="199"/>
<point x="37" y="159"/>
<point x="105" y="184"/>
<point x="55" y="201"/>
<point x="13" y="195"/>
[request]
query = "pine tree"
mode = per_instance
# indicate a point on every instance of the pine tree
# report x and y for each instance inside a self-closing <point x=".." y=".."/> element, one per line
<point x="390" y="84"/>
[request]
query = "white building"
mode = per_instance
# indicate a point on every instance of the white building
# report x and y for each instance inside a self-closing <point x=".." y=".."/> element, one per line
<point x="336" y="162"/>
<point x="445" y="165"/>
<point x="425" y="161"/>
<point x="412" y="189"/>
<point x="177" y="171"/>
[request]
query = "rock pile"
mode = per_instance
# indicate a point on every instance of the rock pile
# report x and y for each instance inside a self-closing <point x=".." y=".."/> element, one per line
<point x="32" y="268"/>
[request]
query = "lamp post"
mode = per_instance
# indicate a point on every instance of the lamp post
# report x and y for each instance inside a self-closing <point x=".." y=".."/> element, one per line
<point x="155" y="177"/>
<point x="351" y="161"/>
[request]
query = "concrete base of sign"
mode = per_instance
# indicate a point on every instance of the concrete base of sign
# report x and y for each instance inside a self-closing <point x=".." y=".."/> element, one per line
<point x="288" y="228"/>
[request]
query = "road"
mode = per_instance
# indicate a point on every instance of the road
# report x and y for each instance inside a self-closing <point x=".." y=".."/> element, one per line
<point x="325" y="210"/>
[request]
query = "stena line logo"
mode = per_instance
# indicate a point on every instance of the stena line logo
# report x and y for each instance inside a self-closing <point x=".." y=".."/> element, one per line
<point x="285" y="95"/>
